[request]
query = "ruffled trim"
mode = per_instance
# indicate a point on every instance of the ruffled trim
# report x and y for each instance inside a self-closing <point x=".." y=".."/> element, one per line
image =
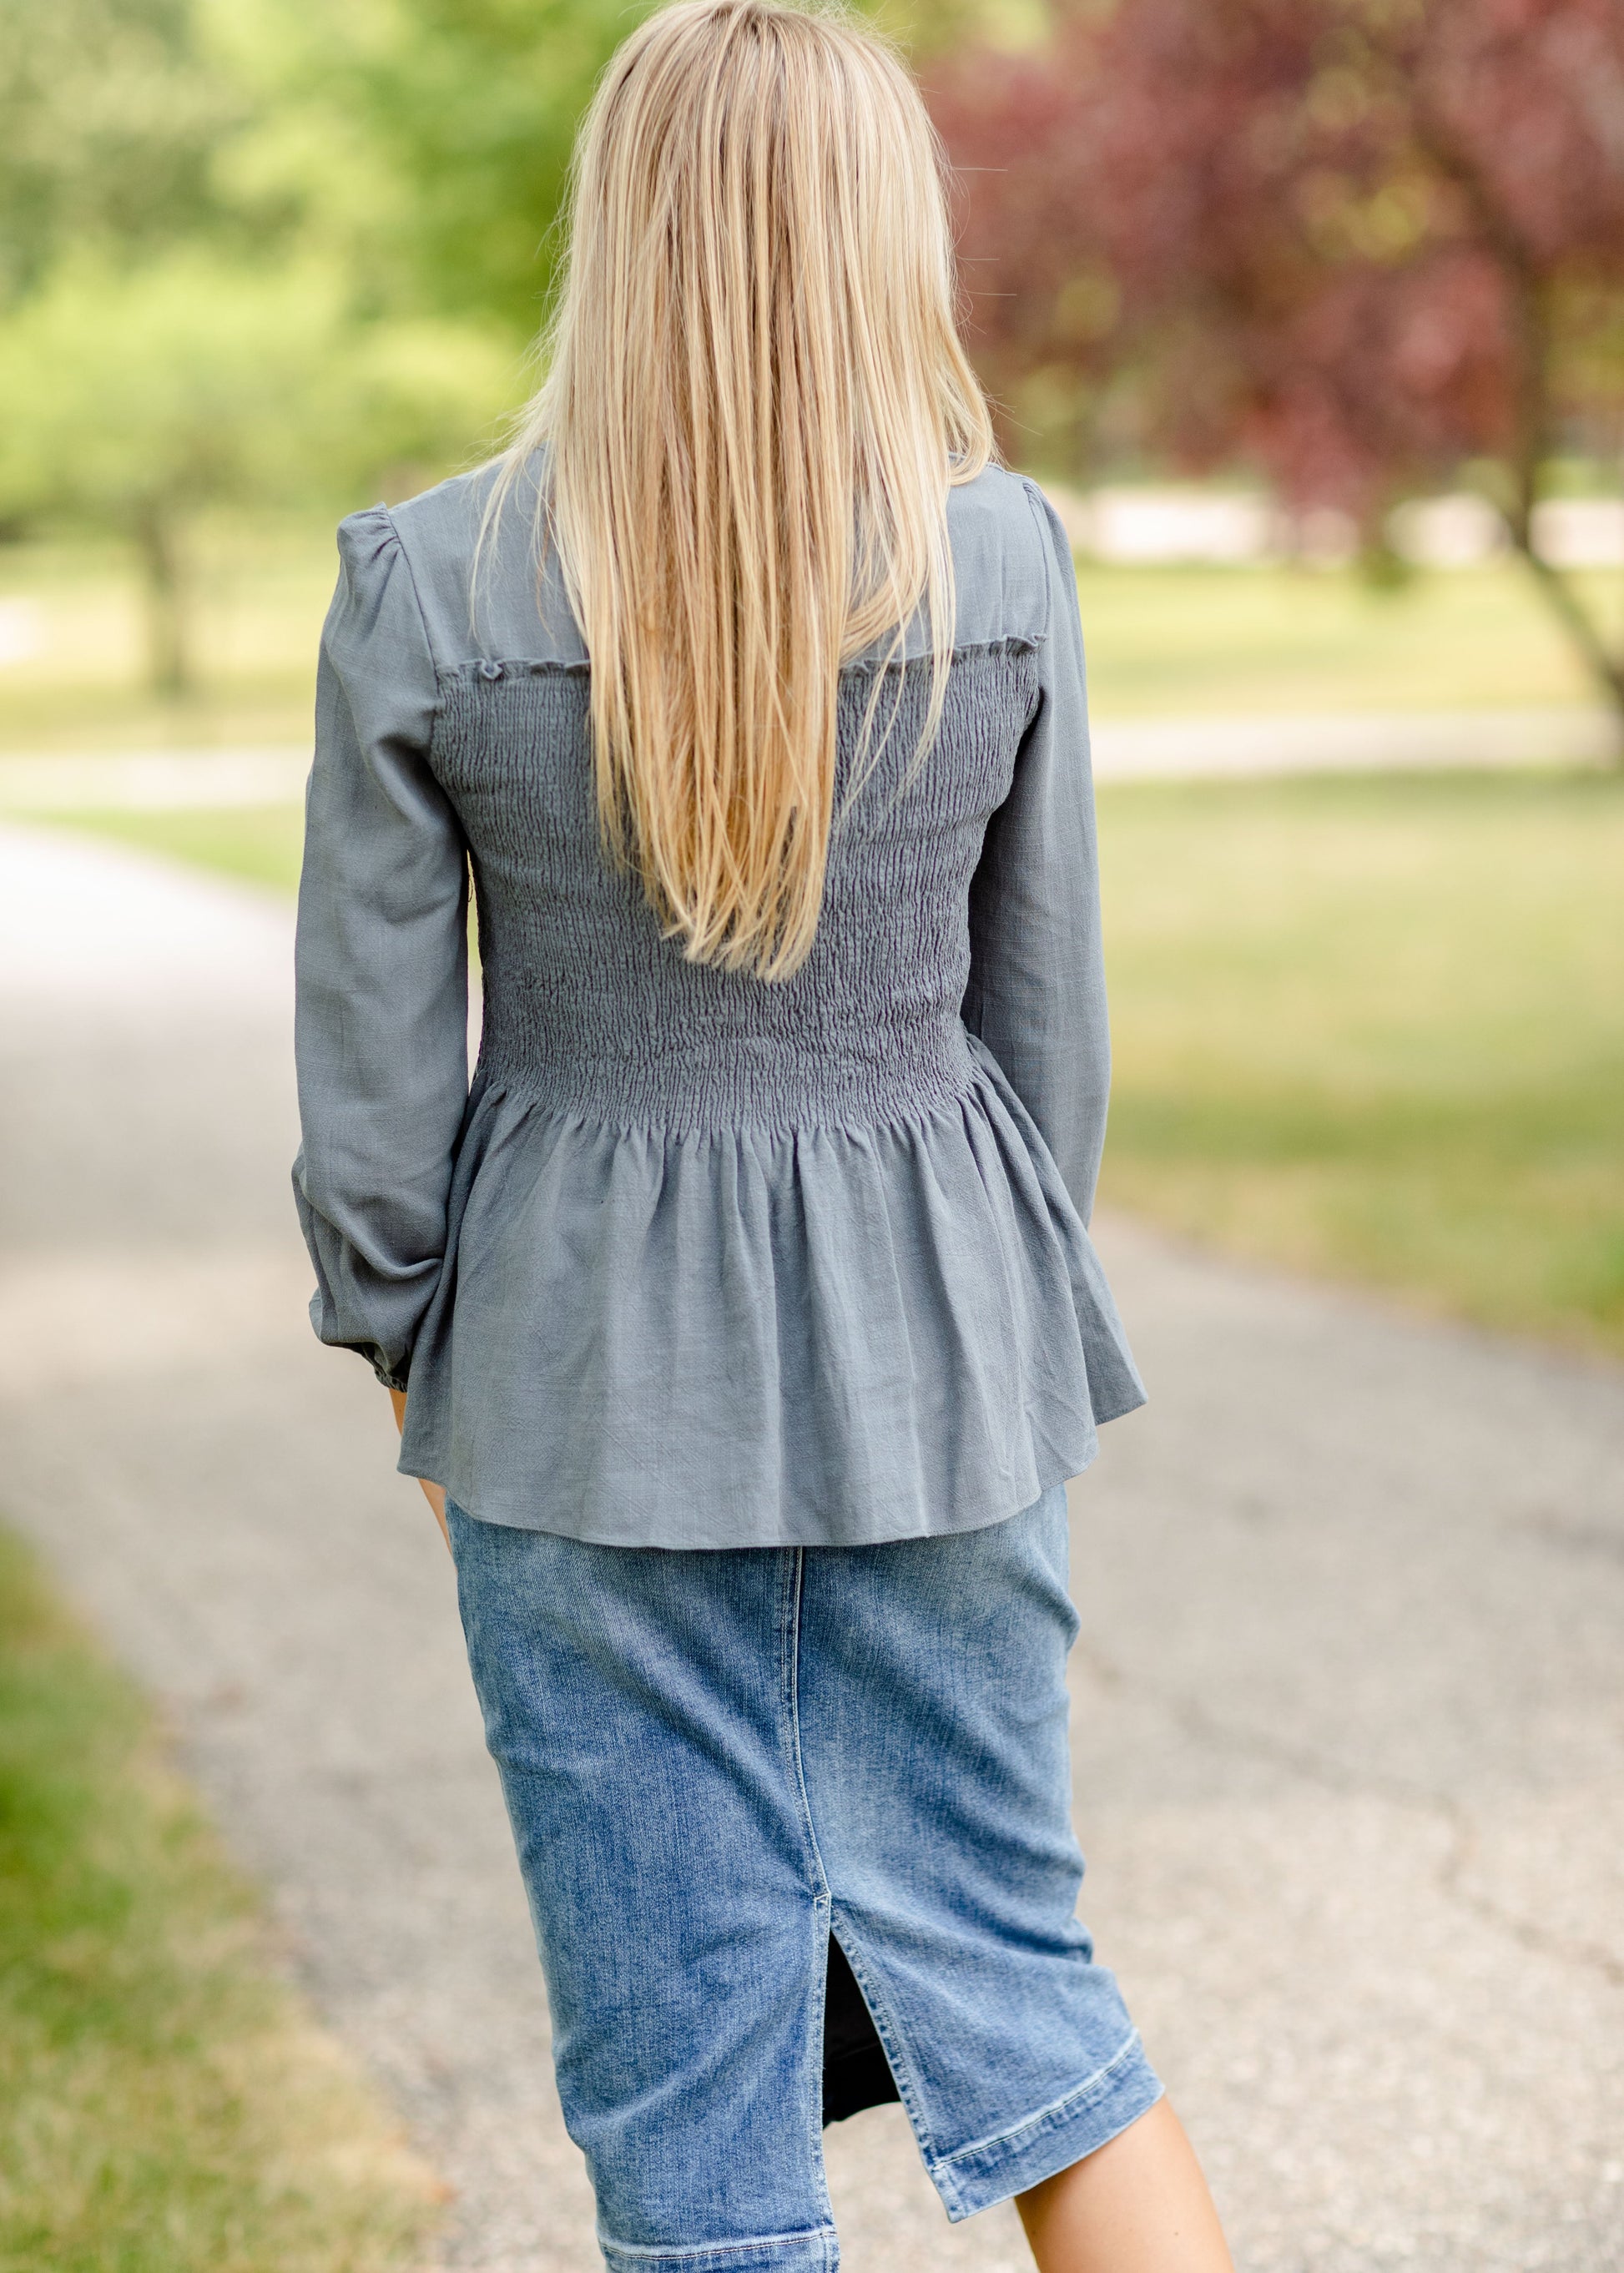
<point x="492" y="667"/>
<point x="743" y="1337"/>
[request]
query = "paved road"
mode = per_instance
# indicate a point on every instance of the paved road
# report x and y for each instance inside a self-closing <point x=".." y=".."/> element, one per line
<point x="1349" y="1703"/>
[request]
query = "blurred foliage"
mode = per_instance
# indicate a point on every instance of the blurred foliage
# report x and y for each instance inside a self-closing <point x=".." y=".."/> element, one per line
<point x="432" y="138"/>
<point x="429" y="139"/>
<point x="197" y="311"/>
<point x="136" y="396"/>
<point x="110" y="118"/>
<point x="1362" y="247"/>
<point x="261" y="582"/>
<point x="259" y="252"/>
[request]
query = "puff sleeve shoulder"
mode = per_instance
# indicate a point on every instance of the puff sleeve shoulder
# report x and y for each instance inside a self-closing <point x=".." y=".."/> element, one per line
<point x="1036" y="992"/>
<point x="381" y="976"/>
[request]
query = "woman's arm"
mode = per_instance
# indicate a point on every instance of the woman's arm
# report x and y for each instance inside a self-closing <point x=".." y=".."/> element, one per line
<point x="1036" y="995"/>
<point x="381" y="1033"/>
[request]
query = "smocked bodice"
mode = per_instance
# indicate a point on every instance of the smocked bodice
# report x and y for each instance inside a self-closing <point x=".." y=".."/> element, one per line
<point x="586" y="1005"/>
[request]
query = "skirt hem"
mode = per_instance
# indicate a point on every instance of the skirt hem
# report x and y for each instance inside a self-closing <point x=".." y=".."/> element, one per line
<point x="1050" y="2141"/>
<point x="813" y="2251"/>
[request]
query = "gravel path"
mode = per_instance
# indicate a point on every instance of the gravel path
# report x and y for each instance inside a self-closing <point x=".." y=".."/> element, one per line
<point x="1349" y="1699"/>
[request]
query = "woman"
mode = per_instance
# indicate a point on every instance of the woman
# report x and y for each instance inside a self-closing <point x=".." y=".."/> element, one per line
<point x="750" y="1324"/>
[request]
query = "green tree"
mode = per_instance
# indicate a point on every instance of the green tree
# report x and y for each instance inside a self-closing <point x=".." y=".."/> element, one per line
<point x="434" y="136"/>
<point x="110" y="117"/>
<point x="134" y="400"/>
<point x="430" y="137"/>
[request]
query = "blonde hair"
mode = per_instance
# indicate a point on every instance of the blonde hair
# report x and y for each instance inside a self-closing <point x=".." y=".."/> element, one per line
<point x="756" y="402"/>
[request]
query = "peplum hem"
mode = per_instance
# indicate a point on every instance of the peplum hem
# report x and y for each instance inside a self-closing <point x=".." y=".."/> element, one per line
<point x="750" y="1337"/>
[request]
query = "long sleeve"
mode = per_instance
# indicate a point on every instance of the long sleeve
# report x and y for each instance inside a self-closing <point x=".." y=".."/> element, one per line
<point x="1036" y="992"/>
<point x="381" y="965"/>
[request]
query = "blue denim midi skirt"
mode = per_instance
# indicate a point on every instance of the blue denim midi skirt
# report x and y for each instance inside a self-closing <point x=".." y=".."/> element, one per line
<point x="714" y="1759"/>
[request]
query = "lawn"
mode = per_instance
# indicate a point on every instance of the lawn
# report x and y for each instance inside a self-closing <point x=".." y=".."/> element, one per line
<point x="73" y="620"/>
<point x="1374" y="1028"/>
<point x="260" y="843"/>
<point x="1369" y="1027"/>
<point x="1189" y="641"/>
<point x="167" y="2103"/>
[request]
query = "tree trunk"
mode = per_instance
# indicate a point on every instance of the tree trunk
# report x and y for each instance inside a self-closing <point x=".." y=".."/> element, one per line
<point x="1532" y="330"/>
<point x="1585" y="635"/>
<point x="1531" y="303"/>
<point x="169" y="597"/>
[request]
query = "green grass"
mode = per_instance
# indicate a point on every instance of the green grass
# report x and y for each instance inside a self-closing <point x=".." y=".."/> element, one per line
<point x="1228" y="640"/>
<point x="1374" y="1028"/>
<point x="262" y="591"/>
<point x="167" y="2104"/>
<point x="261" y="845"/>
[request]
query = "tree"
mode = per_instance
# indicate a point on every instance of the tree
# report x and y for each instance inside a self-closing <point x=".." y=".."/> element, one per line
<point x="135" y="398"/>
<point x="434" y="136"/>
<point x="1045" y="310"/>
<point x="1363" y="242"/>
<point x="431" y="139"/>
<point x="110" y="118"/>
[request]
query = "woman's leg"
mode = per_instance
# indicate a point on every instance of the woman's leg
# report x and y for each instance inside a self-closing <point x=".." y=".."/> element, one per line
<point x="1138" y="2205"/>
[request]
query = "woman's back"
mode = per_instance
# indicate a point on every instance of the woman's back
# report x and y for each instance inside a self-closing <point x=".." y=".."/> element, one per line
<point x="586" y="1004"/>
<point x="722" y="1260"/>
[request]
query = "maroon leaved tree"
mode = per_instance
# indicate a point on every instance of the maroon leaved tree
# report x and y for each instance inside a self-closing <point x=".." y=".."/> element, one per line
<point x="1361" y="242"/>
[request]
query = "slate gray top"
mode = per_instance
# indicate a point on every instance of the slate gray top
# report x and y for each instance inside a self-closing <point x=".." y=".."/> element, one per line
<point x="699" y="1259"/>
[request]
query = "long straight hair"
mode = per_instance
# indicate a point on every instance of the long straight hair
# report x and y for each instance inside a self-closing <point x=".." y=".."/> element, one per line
<point x="754" y="403"/>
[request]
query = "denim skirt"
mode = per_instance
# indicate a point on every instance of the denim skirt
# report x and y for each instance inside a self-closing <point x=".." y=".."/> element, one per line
<point x="713" y="1760"/>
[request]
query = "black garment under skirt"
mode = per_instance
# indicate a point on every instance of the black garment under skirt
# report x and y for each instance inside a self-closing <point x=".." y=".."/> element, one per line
<point x="856" y="2073"/>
